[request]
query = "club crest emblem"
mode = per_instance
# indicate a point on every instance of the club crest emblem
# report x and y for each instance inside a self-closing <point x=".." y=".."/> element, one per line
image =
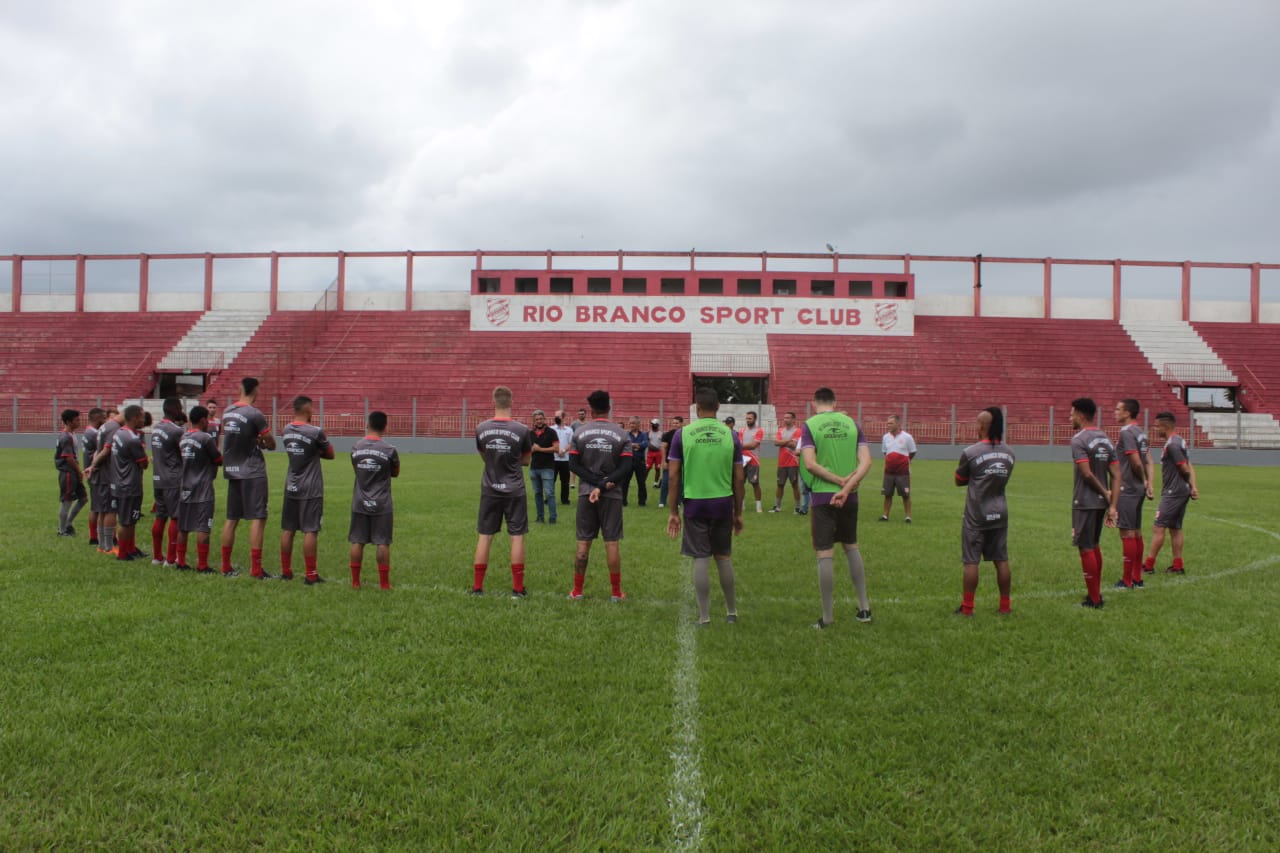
<point x="497" y="310"/>
<point x="886" y="315"/>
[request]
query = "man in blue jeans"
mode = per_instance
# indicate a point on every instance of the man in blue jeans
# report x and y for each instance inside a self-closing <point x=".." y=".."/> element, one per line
<point x="542" y="466"/>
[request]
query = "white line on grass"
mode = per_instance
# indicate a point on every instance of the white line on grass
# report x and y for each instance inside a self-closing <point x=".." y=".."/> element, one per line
<point x="686" y="795"/>
<point x="1264" y="531"/>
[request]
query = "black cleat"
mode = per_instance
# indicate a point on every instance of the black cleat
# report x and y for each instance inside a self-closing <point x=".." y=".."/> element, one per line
<point x="182" y="567"/>
<point x="1139" y="585"/>
<point x="820" y="625"/>
<point x="475" y="591"/>
<point x="959" y="611"/>
<point x="1172" y="570"/>
<point x="313" y="581"/>
<point x="231" y="573"/>
<point x="863" y="616"/>
<point x="1088" y="602"/>
<point x="730" y="618"/>
<point x="206" y="571"/>
<point x="265" y="576"/>
<point x="93" y="542"/>
<point x="519" y="593"/>
<point x="1121" y="585"/>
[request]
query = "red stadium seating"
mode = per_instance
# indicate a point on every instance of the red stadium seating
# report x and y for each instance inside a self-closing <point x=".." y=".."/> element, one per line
<point x="83" y="357"/>
<point x="1253" y="354"/>
<point x="392" y="357"/>
<point x="1024" y="364"/>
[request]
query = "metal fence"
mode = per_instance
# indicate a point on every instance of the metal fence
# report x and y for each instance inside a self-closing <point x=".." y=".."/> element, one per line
<point x="944" y="424"/>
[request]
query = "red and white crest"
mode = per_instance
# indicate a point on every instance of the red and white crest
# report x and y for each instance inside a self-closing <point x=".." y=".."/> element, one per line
<point x="886" y="315"/>
<point x="497" y="310"/>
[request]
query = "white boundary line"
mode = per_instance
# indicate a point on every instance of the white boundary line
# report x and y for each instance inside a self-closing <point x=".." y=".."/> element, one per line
<point x="686" y="797"/>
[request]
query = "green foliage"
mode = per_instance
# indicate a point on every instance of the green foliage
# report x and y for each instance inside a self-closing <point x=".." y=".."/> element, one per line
<point x="143" y="708"/>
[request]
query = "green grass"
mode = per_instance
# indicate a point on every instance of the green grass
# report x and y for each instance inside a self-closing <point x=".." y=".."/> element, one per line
<point x="141" y="708"/>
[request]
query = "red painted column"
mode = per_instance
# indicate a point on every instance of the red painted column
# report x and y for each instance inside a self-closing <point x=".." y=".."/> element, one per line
<point x="906" y="265"/>
<point x="208" y="281"/>
<point x="479" y="260"/>
<point x="1115" y="291"/>
<point x="1048" y="288"/>
<point x="1186" y="291"/>
<point x="408" y="281"/>
<point x="977" y="287"/>
<point x="79" y="283"/>
<point x="144" y="281"/>
<point x="275" y="282"/>
<point x="619" y="260"/>
<point x="342" y="281"/>
<point x="1255" y="294"/>
<point x="17" y="284"/>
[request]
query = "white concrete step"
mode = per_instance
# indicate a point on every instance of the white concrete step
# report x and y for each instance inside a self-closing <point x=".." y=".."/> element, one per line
<point x="1250" y="430"/>
<point x="1165" y="341"/>
<point x="728" y="354"/>
<point x="221" y="330"/>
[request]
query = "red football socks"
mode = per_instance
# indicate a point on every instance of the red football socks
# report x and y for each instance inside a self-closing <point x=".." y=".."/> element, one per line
<point x="202" y="555"/>
<point x="355" y="575"/>
<point x="255" y="562"/>
<point x="173" y="541"/>
<point x="286" y="564"/>
<point x="157" y="539"/>
<point x="1177" y="564"/>
<point x="578" y="581"/>
<point x="311" y="568"/>
<point x="226" y="559"/>
<point x="1092" y="575"/>
<point x="517" y="576"/>
<point x="1149" y="563"/>
<point x="480" y="569"/>
<point x="966" y="604"/>
<point x="182" y="553"/>
<point x="384" y="576"/>
<point x="1005" y="605"/>
<point x="615" y="581"/>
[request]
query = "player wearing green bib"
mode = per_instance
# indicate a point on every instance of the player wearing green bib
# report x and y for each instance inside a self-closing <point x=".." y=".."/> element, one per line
<point x="836" y="458"/>
<point x="705" y="459"/>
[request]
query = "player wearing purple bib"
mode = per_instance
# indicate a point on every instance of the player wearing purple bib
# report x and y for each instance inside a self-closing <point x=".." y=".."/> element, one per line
<point x="166" y="482"/>
<point x="70" y="479"/>
<point x="1136" y="477"/>
<point x="1178" y="477"/>
<point x="245" y="434"/>
<point x="303" y="508"/>
<point x="984" y="470"/>
<point x="1095" y="495"/>
<point x="128" y="461"/>
<point x="506" y="446"/>
<point x="372" y="513"/>
<point x="601" y="457"/>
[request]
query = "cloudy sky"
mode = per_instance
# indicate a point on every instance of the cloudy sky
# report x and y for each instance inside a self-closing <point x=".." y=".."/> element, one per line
<point x="1128" y="129"/>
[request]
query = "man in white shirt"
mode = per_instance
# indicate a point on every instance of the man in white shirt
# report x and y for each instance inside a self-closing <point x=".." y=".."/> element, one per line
<point x="899" y="449"/>
<point x="564" y="434"/>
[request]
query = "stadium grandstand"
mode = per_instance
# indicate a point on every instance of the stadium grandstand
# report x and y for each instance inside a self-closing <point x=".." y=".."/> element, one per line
<point x="915" y="336"/>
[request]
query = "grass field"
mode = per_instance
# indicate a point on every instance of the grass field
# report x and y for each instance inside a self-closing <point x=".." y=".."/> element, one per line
<point x="143" y="708"/>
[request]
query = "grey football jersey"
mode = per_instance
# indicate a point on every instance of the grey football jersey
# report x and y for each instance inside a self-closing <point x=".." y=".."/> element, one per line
<point x="1175" y="453"/>
<point x="242" y="457"/>
<point x="105" y="437"/>
<point x="987" y="468"/>
<point x="602" y="447"/>
<point x="166" y="456"/>
<point x="374" y="461"/>
<point x="305" y="443"/>
<point x="503" y="442"/>
<point x="89" y="444"/>
<point x="128" y="457"/>
<point x="1091" y="447"/>
<point x="1132" y="440"/>
<point x="64" y="452"/>
<point x="200" y="460"/>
